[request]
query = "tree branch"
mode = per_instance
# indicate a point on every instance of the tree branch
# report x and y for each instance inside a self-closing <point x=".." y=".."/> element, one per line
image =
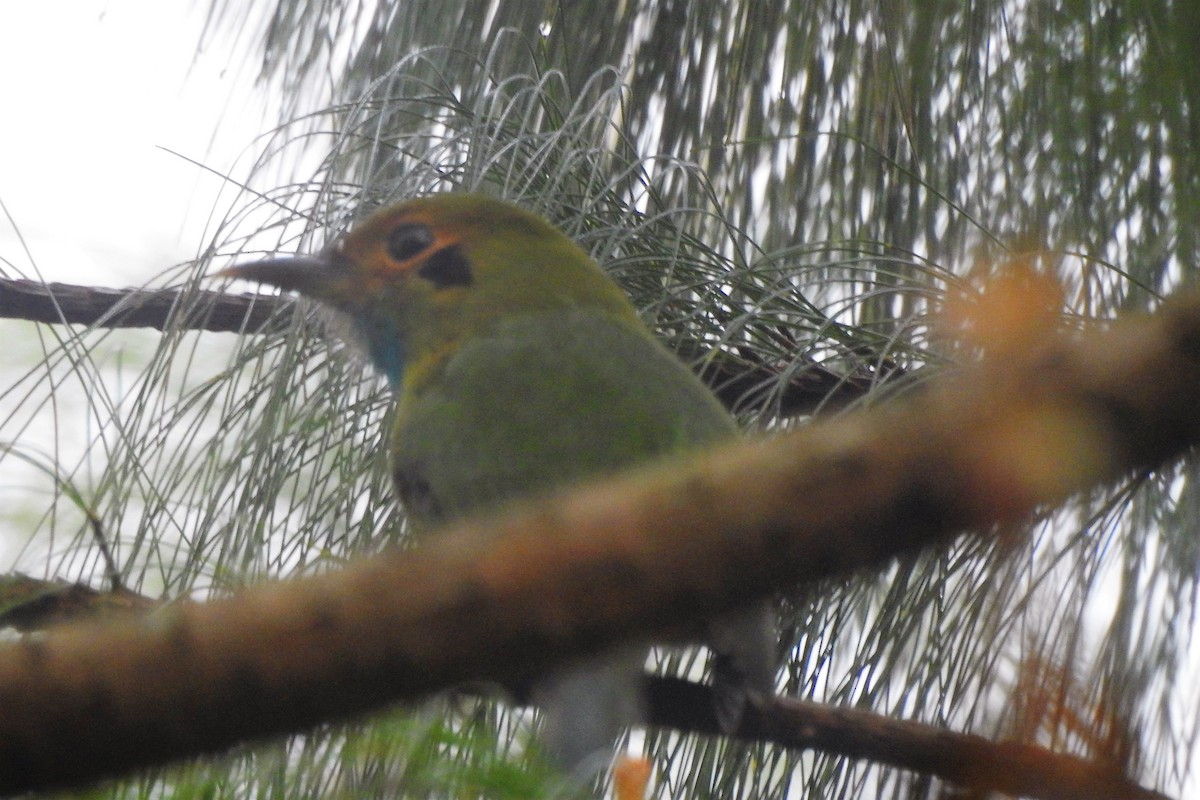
<point x="645" y="555"/>
<point x="734" y="382"/>
<point x="967" y="760"/>
<point x="963" y="759"/>
<point x="160" y="309"/>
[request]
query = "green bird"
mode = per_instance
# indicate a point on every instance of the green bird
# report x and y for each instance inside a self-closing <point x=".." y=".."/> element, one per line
<point x="521" y="368"/>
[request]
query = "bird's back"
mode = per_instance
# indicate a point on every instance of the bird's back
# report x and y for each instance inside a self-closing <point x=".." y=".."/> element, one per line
<point x="570" y="395"/>
<point x="541" y="402"/>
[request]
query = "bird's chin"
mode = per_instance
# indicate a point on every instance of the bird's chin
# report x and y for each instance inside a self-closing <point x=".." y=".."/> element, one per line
<point x="361" y="342"/>
<point x="341" y="325"/>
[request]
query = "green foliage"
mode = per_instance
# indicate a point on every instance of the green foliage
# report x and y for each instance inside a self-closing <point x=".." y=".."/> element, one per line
<point x="443" y="750"/>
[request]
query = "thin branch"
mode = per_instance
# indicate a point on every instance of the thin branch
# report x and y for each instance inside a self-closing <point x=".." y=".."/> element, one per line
<point x="643" y="556"/>
<point x="56" y="303"/>
<point x="963" y="759"/>
<point x="30" y="604"/>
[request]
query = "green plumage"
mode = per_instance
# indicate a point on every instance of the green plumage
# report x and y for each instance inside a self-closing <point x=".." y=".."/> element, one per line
<point x="544" y="400"/>
<point x="522" y="369"/>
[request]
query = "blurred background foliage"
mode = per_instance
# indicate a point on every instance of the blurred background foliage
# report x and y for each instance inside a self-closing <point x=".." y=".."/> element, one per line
<point x="785" y="187"/>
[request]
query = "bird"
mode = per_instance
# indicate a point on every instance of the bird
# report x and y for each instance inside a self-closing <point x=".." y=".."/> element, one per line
<point x="520" y="368"/>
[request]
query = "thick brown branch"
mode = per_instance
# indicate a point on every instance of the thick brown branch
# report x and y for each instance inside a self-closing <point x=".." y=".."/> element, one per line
<point x="646" y="554"/>
<point x="963" y="759"/>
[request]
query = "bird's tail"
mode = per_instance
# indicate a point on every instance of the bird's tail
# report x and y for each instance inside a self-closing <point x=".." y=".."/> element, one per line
<point x="585" y="707"/>
<point x="744" y="660"/>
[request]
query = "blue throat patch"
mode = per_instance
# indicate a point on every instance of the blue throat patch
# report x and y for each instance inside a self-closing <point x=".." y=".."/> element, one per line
<point x="382" y="339"/>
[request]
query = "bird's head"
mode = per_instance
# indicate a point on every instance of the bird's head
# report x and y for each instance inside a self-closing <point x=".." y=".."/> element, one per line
<point x="417" y="279"/>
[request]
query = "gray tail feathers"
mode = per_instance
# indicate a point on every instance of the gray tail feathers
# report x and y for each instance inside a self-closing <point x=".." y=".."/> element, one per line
<point x="585" y="707"/>
<point x="743" y="666"/>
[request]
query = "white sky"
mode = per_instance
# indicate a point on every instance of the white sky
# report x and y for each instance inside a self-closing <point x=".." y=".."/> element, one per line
<point x="90" y="88"/>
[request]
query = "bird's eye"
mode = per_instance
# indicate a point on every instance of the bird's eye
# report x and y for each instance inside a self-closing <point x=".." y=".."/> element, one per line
<point x="408" y="240"/>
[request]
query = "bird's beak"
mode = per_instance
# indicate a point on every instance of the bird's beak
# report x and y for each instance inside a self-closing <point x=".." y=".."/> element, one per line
<point x="319" y="277"/>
